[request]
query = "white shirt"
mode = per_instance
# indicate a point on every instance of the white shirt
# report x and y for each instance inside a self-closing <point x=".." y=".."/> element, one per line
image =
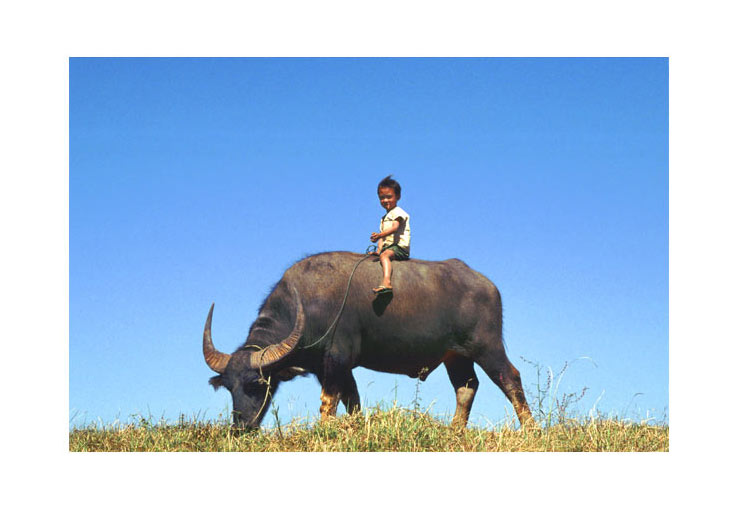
<point x="402" y="233"/>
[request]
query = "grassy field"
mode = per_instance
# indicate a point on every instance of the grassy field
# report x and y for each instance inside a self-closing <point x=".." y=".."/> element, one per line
<point x="374" y="430"/>
<point x="393" y="429"/>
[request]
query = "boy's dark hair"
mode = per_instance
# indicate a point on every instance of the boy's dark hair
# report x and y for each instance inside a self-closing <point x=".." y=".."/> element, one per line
<point x="388" y="182"/>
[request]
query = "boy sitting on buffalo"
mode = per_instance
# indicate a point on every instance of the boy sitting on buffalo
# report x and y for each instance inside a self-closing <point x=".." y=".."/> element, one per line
<point x="393" y="239"/>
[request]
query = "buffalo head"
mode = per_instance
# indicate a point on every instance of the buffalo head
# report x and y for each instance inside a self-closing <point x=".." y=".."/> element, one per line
<point x="252" y="373"/>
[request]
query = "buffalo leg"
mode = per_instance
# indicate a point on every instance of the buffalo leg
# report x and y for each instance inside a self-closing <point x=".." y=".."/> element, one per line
<point x="498" y="367"/>
<point x="349" y="395"/>
<point x="338" y="385"/>
<point x="328" y="403"/>
<point x="464" y="381"/>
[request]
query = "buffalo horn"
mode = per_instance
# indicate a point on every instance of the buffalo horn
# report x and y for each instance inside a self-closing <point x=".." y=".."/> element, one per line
<point x="215" y="359"/>
<point x="274" y="353"/>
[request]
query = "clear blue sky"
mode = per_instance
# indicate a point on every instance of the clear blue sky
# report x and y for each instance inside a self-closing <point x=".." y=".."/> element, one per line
<point x="194" y="181"/>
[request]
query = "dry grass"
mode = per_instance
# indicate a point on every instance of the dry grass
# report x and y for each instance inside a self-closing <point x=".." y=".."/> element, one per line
<point x="377" y="430"/>
<point x="394" y="429"/>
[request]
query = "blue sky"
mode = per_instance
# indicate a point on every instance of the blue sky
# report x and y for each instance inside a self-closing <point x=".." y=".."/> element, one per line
<point x="194" y="181"/>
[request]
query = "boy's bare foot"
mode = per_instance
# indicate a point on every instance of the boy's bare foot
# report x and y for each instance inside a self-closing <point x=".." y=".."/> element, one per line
<point x="382" y="289"/>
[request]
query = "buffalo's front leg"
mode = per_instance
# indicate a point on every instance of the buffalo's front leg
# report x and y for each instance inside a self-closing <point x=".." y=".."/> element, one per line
<point x="349" y="395"/>
<point x="338" y="384"/>
<point x="329" y="403"/>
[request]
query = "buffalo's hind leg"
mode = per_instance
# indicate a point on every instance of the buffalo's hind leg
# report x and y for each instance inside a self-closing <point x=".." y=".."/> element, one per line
<point x="464" y="381"/>
<point x="498" y="367"/>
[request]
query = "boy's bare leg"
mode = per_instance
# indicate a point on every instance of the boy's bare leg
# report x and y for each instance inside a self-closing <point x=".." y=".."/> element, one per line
<point x="386" y="263"/>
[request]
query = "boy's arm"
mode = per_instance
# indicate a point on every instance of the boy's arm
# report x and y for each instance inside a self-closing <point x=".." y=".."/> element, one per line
<point x="393" y="228"/>
<point x="379" y="238"/>
<point x="389" y="231"/>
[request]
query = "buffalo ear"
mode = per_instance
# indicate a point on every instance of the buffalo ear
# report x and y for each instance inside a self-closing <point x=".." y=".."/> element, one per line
<point x="216" y="382"/>
<point x="290" y="373"/>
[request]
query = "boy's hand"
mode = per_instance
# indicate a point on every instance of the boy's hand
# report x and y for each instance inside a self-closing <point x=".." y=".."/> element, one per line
<point x="375" y="237"/>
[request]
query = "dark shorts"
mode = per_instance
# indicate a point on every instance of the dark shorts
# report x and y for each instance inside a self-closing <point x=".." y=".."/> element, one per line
<point x="399" y="252"/>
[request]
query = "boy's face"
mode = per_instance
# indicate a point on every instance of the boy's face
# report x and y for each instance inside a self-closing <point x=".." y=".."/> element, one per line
<point x="388" y="198"/>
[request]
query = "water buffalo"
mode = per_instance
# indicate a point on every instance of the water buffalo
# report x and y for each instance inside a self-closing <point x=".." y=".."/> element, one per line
<point x="439" y="312"/>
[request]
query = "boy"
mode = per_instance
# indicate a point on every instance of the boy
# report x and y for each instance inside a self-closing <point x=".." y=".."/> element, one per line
<point x="393" y="240"/>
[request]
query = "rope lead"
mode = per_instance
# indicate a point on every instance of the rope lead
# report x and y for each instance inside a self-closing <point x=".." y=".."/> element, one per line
<point x="369" y="251"/>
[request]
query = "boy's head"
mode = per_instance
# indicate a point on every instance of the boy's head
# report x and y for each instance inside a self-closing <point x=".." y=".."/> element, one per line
<point x="388" y="182"/>
<point x="389" y="192"/>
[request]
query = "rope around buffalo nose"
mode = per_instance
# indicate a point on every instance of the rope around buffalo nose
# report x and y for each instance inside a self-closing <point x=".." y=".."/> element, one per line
<point x="369" y="251"/>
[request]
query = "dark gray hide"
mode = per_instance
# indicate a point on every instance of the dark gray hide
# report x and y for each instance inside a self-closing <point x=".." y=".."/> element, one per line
<point x="439" y="312"/>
